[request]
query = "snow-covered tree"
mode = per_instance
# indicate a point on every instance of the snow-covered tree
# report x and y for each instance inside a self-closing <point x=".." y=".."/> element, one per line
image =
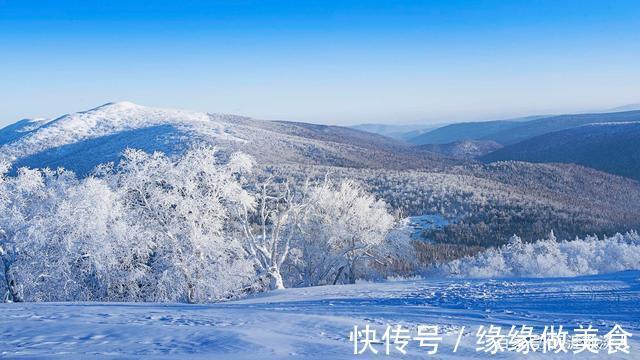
<point x="268" y="227"/>
<point x="9" y="246"/>
<point x="80" y="250"/>
<point x="551" y="258"/>
<point x="350" y="223"/>
<point x="28" y="200"/>
<point x="180" y="207"/>
<point x="101" y="255"/>
<point x="63" y="239"/>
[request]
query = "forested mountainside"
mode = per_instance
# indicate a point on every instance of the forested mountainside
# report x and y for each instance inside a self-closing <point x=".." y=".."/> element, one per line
<point x="463" y="149"/>
<point x="485" y="203"/>
<point x="507" y="132"/>
<point x="610" y="147"/>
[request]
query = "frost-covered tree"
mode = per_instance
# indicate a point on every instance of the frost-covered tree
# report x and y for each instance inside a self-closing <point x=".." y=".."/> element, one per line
<point x="28" y="201"/>
<point x="154" y="228"/>
<point x="551" y="258"/>
<point x="349" y="224"/>
<point x="81" y="249"/>
<point x="10" y="225"/>
<point x="268" y="226"/>
<point x="181" y="207"/>
<point x="64" y="239"/>
<point x="102" y="255"/>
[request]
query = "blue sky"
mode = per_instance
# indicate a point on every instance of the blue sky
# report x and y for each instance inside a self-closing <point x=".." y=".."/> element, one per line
<point x="340" y="62"/>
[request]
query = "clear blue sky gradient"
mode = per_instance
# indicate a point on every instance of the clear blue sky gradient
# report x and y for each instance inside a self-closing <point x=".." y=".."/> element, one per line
<point x="340" y="62"/>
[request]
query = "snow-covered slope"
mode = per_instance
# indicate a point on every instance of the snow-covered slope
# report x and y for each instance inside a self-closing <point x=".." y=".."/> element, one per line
<point x="106" y="120"/>
<point x="101" y="121"/>
<point x="82" y="140"/>
<point x="316" y="322"/>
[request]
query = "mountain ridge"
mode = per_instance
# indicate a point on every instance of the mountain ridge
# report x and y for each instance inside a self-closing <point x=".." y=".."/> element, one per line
<point x="507" y="132"/>
<point x="610" y="147"/>
<point x="105" y="129"/>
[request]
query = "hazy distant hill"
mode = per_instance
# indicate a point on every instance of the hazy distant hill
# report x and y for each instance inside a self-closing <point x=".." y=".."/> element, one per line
<point x="610" y="147"/>
<point x="463" y="131"/>
<point x="628" y="107"/>
<point x="555" y="123"/>
<point x="476" y="130"/>
<point x="464" y="148"/>
<point x="400" y="132"/>
<point x="507" y="132"/>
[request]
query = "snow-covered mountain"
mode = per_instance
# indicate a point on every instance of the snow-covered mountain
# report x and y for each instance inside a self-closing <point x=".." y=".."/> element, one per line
<point x="508" y="132"/>
<point x="610" y="147"/>
<point x="80" y="141"/>
<point x="107" y="120"/>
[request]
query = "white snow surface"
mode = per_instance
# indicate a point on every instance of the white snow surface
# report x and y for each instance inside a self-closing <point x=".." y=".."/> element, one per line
<point x="415" y="225"/>
<point x="109" y="119"/>
<point x="315" y="322"/>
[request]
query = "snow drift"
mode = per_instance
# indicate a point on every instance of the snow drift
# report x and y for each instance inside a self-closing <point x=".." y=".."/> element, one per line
<point x="552" y="258"/>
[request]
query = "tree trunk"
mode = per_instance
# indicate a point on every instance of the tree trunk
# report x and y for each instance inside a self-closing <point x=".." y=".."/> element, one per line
<point x="275" y="279"/>
<point x="12" y="286"/>
<point x="340" y="270"/>
<point x="191" y="293"/>
<point x="352" y="271"/>
<point x="352" y="275"/>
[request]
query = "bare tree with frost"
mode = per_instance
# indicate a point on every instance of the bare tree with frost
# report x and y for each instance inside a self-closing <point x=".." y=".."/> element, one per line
<point x="269" y="225"/>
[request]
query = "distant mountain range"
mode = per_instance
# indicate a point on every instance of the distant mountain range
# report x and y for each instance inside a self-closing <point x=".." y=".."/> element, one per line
<point x="611" y="147"/>
<point x="412" y="133"/>
<point x="628" y="107"/>
<point x="507" y="132"/>
<point x="497" y="130"/>
<point x="605" y="140"/>
<point x="399" y="132"/>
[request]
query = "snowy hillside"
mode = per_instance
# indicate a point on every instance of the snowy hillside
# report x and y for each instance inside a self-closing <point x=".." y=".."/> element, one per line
<point x="79" y="141"/>
<point x="106" y="120"/>
<point x="204" y="223"/>
<point x="316" y="322"/>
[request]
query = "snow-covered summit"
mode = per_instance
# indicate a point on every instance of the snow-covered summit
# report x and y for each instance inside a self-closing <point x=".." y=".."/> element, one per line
<point x="121" y="104"/>
<point x="108" y="119"/>
<point x="80" y="141"/>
